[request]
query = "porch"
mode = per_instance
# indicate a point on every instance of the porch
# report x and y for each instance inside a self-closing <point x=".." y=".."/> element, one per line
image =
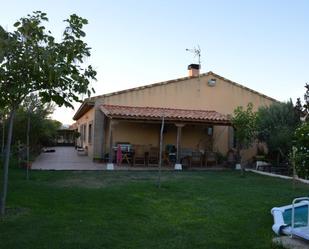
<point x="148" y="137"/>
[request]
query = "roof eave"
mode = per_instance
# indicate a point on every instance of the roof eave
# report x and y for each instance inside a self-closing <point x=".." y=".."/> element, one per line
<point x="167" y="119"/>
<point x="85" y="106"/>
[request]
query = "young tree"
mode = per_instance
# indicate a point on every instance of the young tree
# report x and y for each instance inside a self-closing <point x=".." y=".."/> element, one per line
<point x="31" y="61"/>
<point x="30" y="125"/>
<point x="244" y="123"/>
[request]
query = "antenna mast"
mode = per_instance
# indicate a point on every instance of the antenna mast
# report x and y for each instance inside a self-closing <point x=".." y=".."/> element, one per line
<point x="197" y="52"/>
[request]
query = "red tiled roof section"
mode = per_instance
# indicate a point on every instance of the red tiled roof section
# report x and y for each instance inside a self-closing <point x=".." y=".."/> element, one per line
<point x="156" y="113"/>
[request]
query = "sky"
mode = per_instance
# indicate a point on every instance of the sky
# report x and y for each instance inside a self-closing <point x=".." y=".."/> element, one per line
<point x="260" y="44"/>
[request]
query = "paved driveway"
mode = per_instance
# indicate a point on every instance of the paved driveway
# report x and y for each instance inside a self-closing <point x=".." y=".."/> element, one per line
<point x="65" y="158"/>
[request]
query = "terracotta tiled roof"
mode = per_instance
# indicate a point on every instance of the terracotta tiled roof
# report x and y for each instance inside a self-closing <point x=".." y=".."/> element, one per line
<point x="92" y="99"/>
<point x="156" y="113"/>
<point x="85" y="107"/>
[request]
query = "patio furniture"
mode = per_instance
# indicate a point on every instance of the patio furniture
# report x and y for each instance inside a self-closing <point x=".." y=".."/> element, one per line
<point x="263" y="166"/>
<point x="169" y="156"/>
<point x="185" y="157"/>
<point x="231" y="158"/>
<point x="126" y="154"/>
<point x="119" y="155"/>
<point x="127" y="157"/>
<point x="82" y="151"/>
<point x="139" y="156"/>
<point x="211" y="157"/>
<point x="196" y="158"/>
<point x="153" y="156"/>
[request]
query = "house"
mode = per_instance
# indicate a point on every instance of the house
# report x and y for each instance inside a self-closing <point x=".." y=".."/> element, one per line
<point x="196" y="111"/>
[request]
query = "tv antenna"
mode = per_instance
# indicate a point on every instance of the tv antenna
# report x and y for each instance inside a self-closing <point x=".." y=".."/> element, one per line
<point x="197" y="52"/>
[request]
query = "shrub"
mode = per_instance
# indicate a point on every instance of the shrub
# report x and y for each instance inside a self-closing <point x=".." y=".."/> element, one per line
<point x="302" y="152"/>
<point x="276" y="125"/>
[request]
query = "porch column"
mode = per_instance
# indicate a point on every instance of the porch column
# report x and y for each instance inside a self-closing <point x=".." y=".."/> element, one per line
<point x="178" y="166"/>
<point x="110" y="165"/>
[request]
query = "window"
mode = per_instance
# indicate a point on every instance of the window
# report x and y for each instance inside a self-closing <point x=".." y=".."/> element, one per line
<point x="90" y="133"/>
<point x="210" y="131"/>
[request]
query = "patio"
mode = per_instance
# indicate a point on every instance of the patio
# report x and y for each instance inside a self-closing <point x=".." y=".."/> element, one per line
<point x="64" y="158"/>
<point x="67" y="158"/>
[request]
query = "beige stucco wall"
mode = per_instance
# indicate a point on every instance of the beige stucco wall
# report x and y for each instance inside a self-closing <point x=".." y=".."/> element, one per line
<point x="86" y="119"/>
<point x="135" y="133"/>
<point x="147" y="134"/>
<point x="193" y="93"/>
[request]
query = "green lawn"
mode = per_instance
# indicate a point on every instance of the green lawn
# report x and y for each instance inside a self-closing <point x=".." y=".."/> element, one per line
<point x="127" y="210"/>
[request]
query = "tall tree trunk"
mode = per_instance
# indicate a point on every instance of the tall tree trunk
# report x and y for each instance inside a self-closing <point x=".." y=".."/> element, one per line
<point x="3" y="136"/>
<point x="160" y="154"/>
<point x="28" y="147"/>
<point x="239" y="159"/>
<point x="6" y="163"/>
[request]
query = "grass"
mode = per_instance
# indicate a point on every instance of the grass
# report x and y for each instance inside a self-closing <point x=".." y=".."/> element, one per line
<point x="127" y="210"/>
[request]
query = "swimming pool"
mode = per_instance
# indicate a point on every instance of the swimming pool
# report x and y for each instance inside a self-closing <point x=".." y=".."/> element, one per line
<point x="301" y="216"/>
<point x="283" y="219"/>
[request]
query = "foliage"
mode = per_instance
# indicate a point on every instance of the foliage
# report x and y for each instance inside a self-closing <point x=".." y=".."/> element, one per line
<point x="302" y="152"/>
<point x="221" y="158"/>
<point x="42" y="130"/>
<point x="244" y="123"/>
<point x="276" y="125"/>
<point x="303" y="109"/>
<point x="31" y="61"/>
<point x="76" y="134"/>
<point x="306" y="98"/>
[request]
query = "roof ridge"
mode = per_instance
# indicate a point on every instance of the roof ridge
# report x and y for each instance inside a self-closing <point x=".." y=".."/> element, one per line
<point x="178" y="80"/>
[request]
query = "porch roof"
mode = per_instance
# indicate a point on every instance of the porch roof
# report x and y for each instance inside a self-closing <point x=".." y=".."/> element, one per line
<point x="156" y="113"/>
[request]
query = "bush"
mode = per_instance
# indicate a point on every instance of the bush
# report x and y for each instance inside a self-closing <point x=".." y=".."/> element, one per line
<point x="276" y="125"/>
<point x="221" y="158"/>
<point x="302" y="152"/>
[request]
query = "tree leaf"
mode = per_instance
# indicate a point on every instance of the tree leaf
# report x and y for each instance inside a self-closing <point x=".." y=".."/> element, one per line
<point x="16" y="24"/>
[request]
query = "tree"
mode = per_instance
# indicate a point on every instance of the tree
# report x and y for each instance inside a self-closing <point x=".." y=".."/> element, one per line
<point x="302" y="150"/>
<point x="3" y="117"/>
<point x="244" y="123"/>
<point x="303" y="109"/>
<point x="36" y="114"/>
<point x="301" y="137"/>
<point x="31" y="61"/>
<point x="33" y="128"/>
<point x="275" y="126"/>
<point x="299" y="109"/>
<point x="306" y="98"/>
